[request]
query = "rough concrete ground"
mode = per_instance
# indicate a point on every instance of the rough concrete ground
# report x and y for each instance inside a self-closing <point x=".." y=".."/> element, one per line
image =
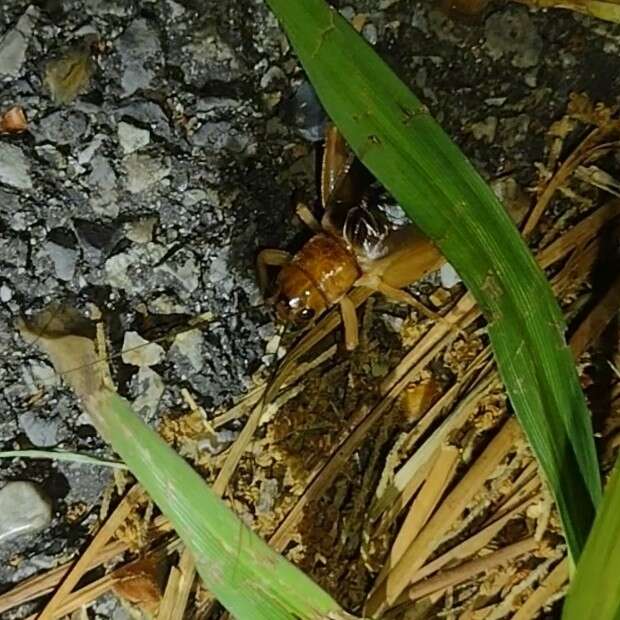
<point x="150" y="193"/>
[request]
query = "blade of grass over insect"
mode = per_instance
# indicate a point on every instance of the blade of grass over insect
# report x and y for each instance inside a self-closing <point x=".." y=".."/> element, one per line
<point x="595" y="591"/>
<point x="247" y="576"/>
<point x="397" y="139"/>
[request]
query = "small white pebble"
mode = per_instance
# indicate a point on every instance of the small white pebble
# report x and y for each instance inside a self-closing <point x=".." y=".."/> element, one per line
<point x="25" y="510"/>
<point x="448" y="276"/>
<point x="370" y="33"/>
<point x="140" y="352"/>
<point x="273" y="345"/>
<point x="132" y="138"/>
<point x="5" y="293"/>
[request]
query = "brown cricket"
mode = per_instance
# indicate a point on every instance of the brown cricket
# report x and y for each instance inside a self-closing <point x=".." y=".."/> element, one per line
<point x="353" y="245"/>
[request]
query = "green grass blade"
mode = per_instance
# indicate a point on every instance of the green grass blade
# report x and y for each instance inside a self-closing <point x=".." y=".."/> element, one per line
<point x="595" y="591"/>
<point x="397" y="139"/>
<point x="62" y="455"/>
<point x="249" y="578"/>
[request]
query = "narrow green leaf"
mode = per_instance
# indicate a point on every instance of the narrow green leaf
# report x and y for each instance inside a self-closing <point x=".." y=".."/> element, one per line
<point x="62" y="455"/>
<point x="595" y="591"/>
<point x="397" y="139"/>
<point x="249" y="578"/>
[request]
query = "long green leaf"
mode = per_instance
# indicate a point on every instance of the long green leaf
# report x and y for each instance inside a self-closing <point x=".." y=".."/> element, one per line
<point x="248" y="577"/>
<point x="398" y="140"/>
<point x="595" y="591"/>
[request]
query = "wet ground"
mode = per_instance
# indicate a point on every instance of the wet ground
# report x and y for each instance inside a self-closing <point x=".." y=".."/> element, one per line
<point x="165" y="141"/>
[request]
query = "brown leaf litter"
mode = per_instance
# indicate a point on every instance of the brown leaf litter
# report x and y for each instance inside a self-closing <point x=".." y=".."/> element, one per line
<point x="13" y="120"/>
<point x="69" y="74"/>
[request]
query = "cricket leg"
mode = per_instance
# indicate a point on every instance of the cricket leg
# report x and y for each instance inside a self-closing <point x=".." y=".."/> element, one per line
<point x="411" y="255"/>
<point x="269" y="258"/>
<point x="375" y="283"/>
<point x="344" y="181"/>
<point x="307" y="217"/>
<point x="349" y="321"/>
<point x="336" y="161"/>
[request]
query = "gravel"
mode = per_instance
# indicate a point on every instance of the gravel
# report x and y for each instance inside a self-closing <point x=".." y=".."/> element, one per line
<point x="14" y="167"/>
<point x="140" y="352"/>
<point x="132" y="138"/>
<point x="14" y="44"/>
<point x="513" y="33"/>
<point x="25" y="510"/>
<point x="186" y="352"/>
<point x="140" y="50"/>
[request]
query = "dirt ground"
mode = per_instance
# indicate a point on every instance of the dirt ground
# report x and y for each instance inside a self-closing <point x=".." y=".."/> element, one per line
<point x="148" y="192"/>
